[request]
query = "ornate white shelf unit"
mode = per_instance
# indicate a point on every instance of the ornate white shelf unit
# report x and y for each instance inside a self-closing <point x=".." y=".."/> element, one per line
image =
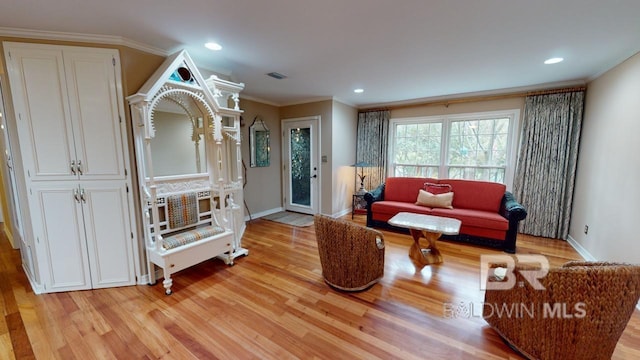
<point x="191" y="212"/>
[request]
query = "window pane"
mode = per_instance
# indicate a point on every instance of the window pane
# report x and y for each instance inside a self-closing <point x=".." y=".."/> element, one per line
<point x="478" y="142"/>
<point x="416" y="147"/>
<point x="476" y="148"/>
<point x="416" y="171"/>
<point x="476" y="173"/>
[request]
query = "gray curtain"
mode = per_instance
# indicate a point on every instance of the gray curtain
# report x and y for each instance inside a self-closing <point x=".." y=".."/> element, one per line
<point x="371" y="146"/>
<point x="546" y="169"/>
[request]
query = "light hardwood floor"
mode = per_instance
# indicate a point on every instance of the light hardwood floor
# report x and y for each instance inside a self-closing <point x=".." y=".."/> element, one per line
<point x="272" y="304"/>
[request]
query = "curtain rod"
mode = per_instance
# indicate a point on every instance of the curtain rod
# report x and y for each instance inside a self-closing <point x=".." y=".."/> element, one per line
<point x="556" y="91"/>
<point x="446" y="103"/>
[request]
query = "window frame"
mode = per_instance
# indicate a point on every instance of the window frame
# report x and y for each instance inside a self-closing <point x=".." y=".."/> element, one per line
<point x="446" y="120"/>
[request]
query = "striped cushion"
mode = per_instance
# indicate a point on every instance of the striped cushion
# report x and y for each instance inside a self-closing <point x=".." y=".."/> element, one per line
<point x="183" y="210"/>
<point x="190" y="236"/>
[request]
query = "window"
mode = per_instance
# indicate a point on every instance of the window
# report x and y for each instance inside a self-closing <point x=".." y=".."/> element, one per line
<point x="478" y="146"/>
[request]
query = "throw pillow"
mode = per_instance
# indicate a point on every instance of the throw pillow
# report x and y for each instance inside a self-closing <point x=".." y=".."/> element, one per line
<point x="437" y="188"/>
<point x="426" y="198"/>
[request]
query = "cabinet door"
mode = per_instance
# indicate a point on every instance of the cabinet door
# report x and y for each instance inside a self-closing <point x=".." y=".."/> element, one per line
<point x="108" y="231"/>
<point x="59" y="231"/>
<point x="94" y="98"/>
<point x="39" y="90"/>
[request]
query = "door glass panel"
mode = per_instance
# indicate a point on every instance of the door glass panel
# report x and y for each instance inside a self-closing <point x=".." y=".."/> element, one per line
<point x="300" y="166"/>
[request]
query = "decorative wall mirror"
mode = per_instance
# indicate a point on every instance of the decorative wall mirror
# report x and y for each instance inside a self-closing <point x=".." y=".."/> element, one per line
<point x="259" y="143"/>
<point x="178" y="147"/>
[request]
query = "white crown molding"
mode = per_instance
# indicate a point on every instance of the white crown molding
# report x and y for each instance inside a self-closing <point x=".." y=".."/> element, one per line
<point x="345" y="102"/>
<point x="611" y="65"/>
<point x="257" y="99"/>
<point x="478" y="94"/>
<point x="89" y="38"/>
<point x="308" y="100"/>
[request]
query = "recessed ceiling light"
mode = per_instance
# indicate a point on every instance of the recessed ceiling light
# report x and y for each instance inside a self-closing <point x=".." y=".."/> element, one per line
<point x="554" y="60"/>
<point x="358" y="91"/>
<point x="213" y="46"/>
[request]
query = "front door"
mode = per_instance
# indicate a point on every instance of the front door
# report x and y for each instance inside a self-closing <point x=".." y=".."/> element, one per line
<point x="301" y="171"/>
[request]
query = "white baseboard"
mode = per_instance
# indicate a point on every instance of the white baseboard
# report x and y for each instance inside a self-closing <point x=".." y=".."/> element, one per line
<point x="275" y="210"/>
<point x="263" y="213"/>
<point x="144" y="279"/>
<point x="342" y="213"/>
<point x="37" y="289"/>
<point x="9" y="236"/>
<point x="580" y="249"/>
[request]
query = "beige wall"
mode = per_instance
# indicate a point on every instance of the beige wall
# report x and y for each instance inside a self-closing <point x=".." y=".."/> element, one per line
<point x="136" y="65"/>
<point x="324" y="110"/>
<point x="263" y="189"/>
<point x="607" y="191"/>
<point x="608" y="141"/>
<point x="337" y="143"/>
<point x="343" y="142"/>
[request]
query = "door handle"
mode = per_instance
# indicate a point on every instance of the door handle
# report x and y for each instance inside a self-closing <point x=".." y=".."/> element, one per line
<point x="73" y="167"/>
<point x="79" y="167"/>
<point x="84" y="200"/>
<point x="76" y="195"/>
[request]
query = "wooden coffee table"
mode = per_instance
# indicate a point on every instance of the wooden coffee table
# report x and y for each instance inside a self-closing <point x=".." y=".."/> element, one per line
<point x="431" y="228"/>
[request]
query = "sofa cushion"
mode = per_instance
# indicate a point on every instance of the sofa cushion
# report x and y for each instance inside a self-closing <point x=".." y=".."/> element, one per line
<point x="475" y="194"/>
<point x="437" y="188"/>
<point x="187" y="237"/>
<point x="387" y="209"/>
<point x="474" y="218"/>
<point x="443" y="200"/>
<point x="404" y="189"/>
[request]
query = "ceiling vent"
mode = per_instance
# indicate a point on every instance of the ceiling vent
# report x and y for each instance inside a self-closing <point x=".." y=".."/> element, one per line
<point x="276" y="75"/>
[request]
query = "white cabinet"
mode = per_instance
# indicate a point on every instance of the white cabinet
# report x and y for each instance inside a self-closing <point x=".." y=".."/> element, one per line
<point x="85" y="233"/>
<point x="69" y="121"/>
<point x="68" y="104"/>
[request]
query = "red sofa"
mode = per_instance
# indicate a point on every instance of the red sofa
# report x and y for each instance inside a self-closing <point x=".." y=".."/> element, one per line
<point x="489" y="214"/>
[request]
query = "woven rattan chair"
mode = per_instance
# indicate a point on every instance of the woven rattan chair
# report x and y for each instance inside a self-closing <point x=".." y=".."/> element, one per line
<point x="580" y="314"/>
<point x="351" y="255"/>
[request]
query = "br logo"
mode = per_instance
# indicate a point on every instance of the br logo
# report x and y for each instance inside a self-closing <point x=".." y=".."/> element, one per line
<point x="500" y="268"/>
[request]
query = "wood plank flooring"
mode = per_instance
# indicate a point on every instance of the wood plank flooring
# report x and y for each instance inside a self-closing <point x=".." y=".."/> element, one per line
<point x="272" y="304"/>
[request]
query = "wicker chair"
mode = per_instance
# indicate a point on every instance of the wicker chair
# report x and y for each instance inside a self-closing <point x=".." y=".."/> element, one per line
<point x="351" y="255"/>
<point x="581" y="314"/>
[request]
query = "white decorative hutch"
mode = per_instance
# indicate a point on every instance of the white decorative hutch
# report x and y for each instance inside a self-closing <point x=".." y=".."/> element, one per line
<point x="187" y="140"/>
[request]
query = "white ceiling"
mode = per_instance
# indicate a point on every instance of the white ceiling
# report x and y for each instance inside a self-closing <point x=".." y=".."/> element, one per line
<point x="397" y="51"/>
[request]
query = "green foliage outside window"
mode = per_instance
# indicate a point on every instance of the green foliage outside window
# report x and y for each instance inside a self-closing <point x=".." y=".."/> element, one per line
<point x="475" y="149"/>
